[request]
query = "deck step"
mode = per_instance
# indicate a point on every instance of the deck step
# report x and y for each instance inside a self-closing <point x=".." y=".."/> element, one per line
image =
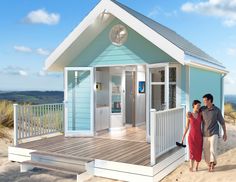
<point x="32" y="164"/>
<point x="59" y="160"/>
<point x="61" y="156"/>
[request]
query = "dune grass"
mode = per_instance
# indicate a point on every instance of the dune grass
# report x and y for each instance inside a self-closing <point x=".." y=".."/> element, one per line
<point x="230" y="113"/>
<point x="6" y="119"/>
<point x="6" y="113"/>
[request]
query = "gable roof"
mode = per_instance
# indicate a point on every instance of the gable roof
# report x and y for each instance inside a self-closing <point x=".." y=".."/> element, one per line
<point x="170" y="35"/>
<point x="166" y="39"/>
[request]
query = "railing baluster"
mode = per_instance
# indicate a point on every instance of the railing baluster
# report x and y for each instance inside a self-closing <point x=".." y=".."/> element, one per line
<point x="49" y="117"/>
<point x="19" y="121"/>
<point x="23" y="121"/>
<point x="15" y="108"/>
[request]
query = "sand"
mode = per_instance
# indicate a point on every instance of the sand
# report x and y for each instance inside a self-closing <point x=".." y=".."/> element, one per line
<point x="225" y="170"/>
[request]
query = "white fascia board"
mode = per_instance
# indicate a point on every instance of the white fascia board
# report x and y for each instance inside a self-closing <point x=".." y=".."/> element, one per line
<point x="199" y="63"/>
<point x="88" y="20"/>
<point x="148" y="33"/>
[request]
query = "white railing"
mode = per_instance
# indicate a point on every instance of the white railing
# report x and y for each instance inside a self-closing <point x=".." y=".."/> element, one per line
<point x="37" y="120"/>
<point x="166" y="128"/>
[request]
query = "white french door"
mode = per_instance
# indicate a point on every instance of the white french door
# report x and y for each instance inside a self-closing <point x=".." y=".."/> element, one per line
<point x="157" y="96"/>
<point x="79" y="101"/>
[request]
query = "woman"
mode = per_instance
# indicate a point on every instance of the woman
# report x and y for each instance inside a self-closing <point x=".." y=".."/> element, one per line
<point x="195" y="139"/>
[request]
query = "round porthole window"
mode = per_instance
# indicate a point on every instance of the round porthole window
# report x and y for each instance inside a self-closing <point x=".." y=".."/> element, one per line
<point x="118" y="35"/>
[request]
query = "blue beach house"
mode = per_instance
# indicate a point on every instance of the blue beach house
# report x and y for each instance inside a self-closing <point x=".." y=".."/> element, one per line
<point x="128" y="82"/>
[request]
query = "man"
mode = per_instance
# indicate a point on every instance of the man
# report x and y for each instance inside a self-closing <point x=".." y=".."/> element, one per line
<point x="211" y="116"/>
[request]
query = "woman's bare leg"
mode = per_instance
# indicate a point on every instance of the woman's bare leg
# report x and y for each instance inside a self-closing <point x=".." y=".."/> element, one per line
<point x="191" y="165"/>
<point x="197" y="166"/>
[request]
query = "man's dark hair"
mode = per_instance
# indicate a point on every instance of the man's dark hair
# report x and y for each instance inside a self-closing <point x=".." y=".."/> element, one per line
<point x="208" y="97"/>
<point x="195" y="102"/>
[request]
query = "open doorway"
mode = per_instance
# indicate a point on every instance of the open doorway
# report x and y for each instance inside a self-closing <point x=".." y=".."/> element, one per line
<point x="130" y="87"/>
<point x="120" y="103"/>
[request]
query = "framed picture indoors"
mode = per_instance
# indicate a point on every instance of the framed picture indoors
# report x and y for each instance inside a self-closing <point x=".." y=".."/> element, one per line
<point x="141" y="87"/>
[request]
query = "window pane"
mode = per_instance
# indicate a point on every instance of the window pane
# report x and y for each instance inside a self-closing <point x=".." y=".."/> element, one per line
<point x="158" y="97"/>
<point x="79" y="96"/>
<point x="172" y="96"/>
<point x="116" y="94"/>
<point x="172" y="75"/>
<point x="157" y="74"/>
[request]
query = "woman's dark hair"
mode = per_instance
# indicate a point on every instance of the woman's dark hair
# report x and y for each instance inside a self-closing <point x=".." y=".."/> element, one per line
<point x="208" y="97"/>
<point x="195" y="102"/>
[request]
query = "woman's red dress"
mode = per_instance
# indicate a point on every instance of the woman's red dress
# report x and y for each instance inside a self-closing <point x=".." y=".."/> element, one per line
<point x="195" y="140"/>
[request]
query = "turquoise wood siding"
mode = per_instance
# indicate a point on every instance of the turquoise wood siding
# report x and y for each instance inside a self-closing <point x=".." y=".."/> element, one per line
<point x="202" y="82"/>
<point x="137" y="50"/>
<point x="79" y="96"/>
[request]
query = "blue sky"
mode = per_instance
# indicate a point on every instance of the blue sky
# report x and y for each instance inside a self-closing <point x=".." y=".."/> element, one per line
<point x="30" y="30"/>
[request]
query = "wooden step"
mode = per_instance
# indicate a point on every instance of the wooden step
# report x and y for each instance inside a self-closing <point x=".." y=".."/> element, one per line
<point x="60" y="160"/>
<point x="61" y="156"/>
<point x="32" y="164"/>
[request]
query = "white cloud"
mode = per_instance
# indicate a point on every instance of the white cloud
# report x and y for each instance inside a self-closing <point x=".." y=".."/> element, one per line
<point x="231" y="51"/>
<point x="22" y="49"/>
<point x="41" y="16"/>
<point x="42" y="52"/>
<point x="42" y="73"/>
<point x="159" y="11"/>
<point x="39" y="51"/>
<point x="223" y="9"/>
<point x="23" y="73"/>
<point x="14" y="70"/>
<point x="229" y="80"/>
<point x="154" y="12"/>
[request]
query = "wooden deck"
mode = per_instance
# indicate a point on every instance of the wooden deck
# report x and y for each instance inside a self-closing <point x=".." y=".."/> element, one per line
<point x="124" y="151"/>
<point x="137" y="134"/>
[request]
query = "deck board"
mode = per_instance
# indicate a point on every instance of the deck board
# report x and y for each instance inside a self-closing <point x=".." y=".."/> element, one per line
<point x="132" y="152"/>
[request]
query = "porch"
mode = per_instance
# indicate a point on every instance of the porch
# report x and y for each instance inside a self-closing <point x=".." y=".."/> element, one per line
<point x="124" y="156"/>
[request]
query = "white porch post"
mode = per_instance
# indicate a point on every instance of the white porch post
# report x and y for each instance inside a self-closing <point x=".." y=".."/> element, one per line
<point x="167" y="86"/>
<point x="15" y="107"/>
<point x="153" y="135"/>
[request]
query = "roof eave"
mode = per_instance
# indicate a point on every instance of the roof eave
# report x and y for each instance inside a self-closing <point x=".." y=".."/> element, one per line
<point x="203" y="64"/>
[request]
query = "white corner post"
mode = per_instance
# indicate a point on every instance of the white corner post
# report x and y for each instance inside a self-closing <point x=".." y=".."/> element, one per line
<point x="167" y="80"/>
<point x="15" y="117"/>
<point x="153" y="135"/>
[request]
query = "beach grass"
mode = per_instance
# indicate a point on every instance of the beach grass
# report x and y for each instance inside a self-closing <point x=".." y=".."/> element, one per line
<point x="230" y="113"/>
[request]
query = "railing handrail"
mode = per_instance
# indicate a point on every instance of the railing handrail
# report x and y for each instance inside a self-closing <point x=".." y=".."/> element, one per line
<point x="39" y="104"/>
<point x="167" y="110"/>
<point x="37" y="120"/>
